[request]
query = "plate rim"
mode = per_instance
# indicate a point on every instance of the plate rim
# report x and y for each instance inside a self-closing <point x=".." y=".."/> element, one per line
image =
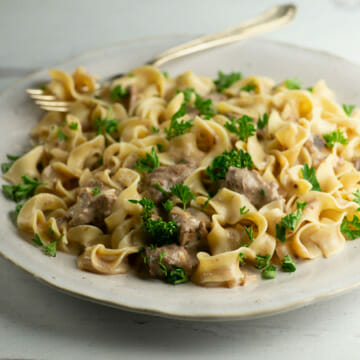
<point x="163" y="313"/>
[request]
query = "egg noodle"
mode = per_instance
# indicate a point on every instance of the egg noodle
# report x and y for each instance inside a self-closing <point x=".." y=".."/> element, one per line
<point x="190" y="179"/>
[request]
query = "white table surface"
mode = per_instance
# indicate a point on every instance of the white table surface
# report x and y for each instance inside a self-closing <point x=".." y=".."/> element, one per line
<point x="37" y="322"/>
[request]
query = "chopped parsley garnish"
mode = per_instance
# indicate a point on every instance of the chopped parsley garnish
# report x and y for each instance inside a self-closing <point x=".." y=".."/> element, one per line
<point x="61" y="135"/>
<point x="288" y="264"/>
<point x="249" y="87"/>
<point x="269" y="272"/>
<point x="161" y="265"/>
<point x="250" y="233"/>
<point x="18" y="208"/>
<point x="168" y="205"/>
<point x="290" y="221"/>
<point x="100" y="160"/>
<point x="348" y="109"/>
<point x="177" y="276"/>
<point x="242" y="256"/>
<point x="166" y="74"/>
<point x="155" y="130"/>
<point x="293" y="84"/>
<point x="187" y="93"/>
<point x="51" y="231"/>
<point x="226" y="80"/>
<point x="48" y="249"/>
<point x="183" y="192"/>
<point x="103" y="126"/>
<point x="159" y="147"/>
<point x="351" y="229"/>
<point x="221" y="163"/>
<point x="262" y="261"/>
<point x="309" y="175"/>
<point x="310" y="89"/>
<point x="74" y="125"/>
<point x="160" y="231"/>
<point x="21" y="191"/>
<point x="96" y="190"/>
<point x="242" y="127"/>
<point x="165" y="192"/>
<point x="5" y="167"/>
<point x="36" y="239"/>
<point x="206" y="203"/>
<point x="357" y="198"/>
<point x="178" y="128"/>
<point x="263" y="122"/>
<point x="118" y="92"/>
<point x="149" y="162"/>
<point x="335" y="137"/>
<point x="244" y="210"/>
<point x="205" y="106"/>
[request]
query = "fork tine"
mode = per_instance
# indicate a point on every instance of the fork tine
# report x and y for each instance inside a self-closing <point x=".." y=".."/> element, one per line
<point x="35" y="91"/>
<point x="54" y="108"/>
<point x="53" y="103"/>
<point x="43" y="97"/>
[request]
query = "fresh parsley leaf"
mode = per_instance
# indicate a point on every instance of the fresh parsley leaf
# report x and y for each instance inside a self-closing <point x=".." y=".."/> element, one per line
<point x="177" y="276"/>
<point x="21" y="191"/>
<point x="74" y="125"/>
<point x="183" y="192"/>
<point x="149" y="162"/>
<point x="161" y="265"/>
<point x="155" y="130"/>
<point x="290" y="220"/>
<point x="206" y="203"/>
<point x="334" y="137"/>
<point x="18" y="208"/>
<point x="280" y="232"/>
<point x="226" y="80"/>
<point x="161" y="232"/>
<point x="36" y="239"/>
<point x="159" y="187"/>
<point x="147" y="205"/>
<point x="288" y="264"/>
<point x="100" y="160"/>
<point x="309" y="175"/>
<point x="165" y="74"/>
<point x="348" y="109"/>
<point x="51" y="231"/>
<point x="244" y="210"/>
<point x="61" y="135"/>
<point x="187" y="93"/>
<point x="357" y="198"/>
<point x="263" y="122"/>
<point x="351" y="229"/>
<point x="250" y="233"/>
<point x="205" y="106"/>
<point x="51" y="248"/>
<point x="249" y="87"/>
<point x="159" y="147"/>
<point x="5" y="167"/>
<point x="262" y="261"/>
<point x="118" y="92"/>
<point x="293" y="84"/>
<point x="96" y="190"/>
<point x="310" y="89"/>
<point x="178" y="128"/>
<point x="269" y="272"/>
<point x="103" y="126"/>
<point x="168" y="205"/>
<point x="221" y="163"/>
<point x="242" y="127"/>
<point x="242" y="256"/>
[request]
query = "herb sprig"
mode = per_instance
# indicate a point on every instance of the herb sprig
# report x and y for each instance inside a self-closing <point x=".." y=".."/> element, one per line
<point x="21" y="191"/>
<point x="226" y="80"/>
<point x="309" y="175"/>
<point x="242" y="127"/>
<point x="149" y="162"/>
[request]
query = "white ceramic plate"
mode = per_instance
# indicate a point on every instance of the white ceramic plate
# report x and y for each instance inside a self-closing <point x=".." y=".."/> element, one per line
<point x="314" y="280"/>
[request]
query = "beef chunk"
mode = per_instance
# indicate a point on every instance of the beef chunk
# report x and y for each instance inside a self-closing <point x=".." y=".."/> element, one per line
<point x="317" y="149"/>
<point x="91" y="208"/>
<point x="166" y="176"/>
<point x="174" y="255"/>
<point x="192" y="229"/>
<point x="252" y="185"/>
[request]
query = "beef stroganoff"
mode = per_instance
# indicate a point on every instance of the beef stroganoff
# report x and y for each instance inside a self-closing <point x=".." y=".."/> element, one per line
<point x="190" y="178"/>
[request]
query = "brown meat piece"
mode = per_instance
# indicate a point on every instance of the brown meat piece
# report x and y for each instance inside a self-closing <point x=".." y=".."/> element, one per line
<point x="317" y="150"/>
<point x="91" y="208"/>
<point x="166" y="176"/>
<point x="252" y="185"/>
<point x="174" y="255"/>
<point x="192" y="229"/>
<point x="356" y="163"/>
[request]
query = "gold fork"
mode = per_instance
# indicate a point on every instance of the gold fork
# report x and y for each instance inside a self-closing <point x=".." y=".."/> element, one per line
<point x="274" y="18"/>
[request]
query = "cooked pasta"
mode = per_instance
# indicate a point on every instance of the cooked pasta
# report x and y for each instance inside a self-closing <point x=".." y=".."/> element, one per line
<point x="190" y="179"/>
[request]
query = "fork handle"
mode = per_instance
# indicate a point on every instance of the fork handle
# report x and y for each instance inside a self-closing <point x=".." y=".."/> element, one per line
<point x="272" y="19"/>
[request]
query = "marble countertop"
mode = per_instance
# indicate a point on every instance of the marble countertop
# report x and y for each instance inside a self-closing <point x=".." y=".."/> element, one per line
<point x="37" y="322"/>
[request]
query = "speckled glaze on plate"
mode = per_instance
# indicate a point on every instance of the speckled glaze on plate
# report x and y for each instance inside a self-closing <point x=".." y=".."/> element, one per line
<point x="313" y="280"/>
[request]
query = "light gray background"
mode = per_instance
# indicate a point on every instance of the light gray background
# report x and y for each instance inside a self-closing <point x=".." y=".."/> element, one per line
<point x="37" y="322"/>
